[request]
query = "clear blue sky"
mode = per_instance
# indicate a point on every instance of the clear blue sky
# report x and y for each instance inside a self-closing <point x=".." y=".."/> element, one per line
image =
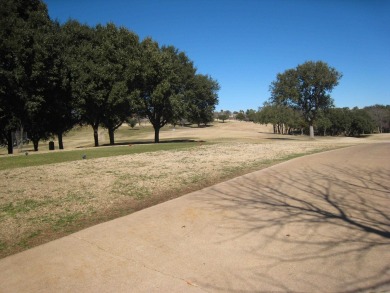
<point x="244" y="43"/>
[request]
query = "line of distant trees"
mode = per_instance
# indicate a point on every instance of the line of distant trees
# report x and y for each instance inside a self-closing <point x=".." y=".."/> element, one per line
<point x="53" y="77"/>
<point x="300" y="101"/>
<point x="333" y="121"/>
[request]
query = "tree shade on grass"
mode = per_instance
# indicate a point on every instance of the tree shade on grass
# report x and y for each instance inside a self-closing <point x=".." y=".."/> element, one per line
<point x="91" y="153"/>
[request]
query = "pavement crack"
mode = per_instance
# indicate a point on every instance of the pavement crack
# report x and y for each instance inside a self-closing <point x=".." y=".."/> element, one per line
<point x="122" y="258"/>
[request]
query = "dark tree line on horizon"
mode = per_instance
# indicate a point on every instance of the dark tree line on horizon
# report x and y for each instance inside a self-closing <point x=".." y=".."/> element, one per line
<point x="53" y="77"/>
<point x="332" y="122"/>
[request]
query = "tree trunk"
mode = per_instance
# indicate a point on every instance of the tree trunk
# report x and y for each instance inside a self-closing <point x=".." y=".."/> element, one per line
<point x="156" y="134"/>
<point x="35" y="142"/>
<point x="60" y="142"/>
<point x="311" y="131"/>
<point x="10" y="144"/>
<point x="96" y="135"/>
<point x="111" y="135"/>
<point x="21" y="139"/>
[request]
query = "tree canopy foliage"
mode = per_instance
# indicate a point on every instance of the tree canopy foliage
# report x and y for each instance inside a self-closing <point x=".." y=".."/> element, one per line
<point x="54" y="76"/>
<point x="201" y="98"/>
<point x="164" y="79"/>
<point x="306" y="88"/>
<point x="26" y="68"/>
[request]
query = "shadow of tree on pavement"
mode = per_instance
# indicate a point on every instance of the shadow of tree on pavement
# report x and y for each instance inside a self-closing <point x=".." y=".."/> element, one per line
<point x="331" y="233"/>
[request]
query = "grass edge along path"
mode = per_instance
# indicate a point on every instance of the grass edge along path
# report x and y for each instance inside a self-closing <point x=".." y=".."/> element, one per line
<point x="38" y="159"/>
<point x="82" y="221"/>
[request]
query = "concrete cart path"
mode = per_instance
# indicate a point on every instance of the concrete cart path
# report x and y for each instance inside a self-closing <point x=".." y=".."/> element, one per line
<point x="319" y="223"/>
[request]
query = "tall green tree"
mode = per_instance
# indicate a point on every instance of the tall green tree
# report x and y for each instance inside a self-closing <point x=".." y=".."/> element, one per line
<point x="307" y="88"/>
<point x="344" y="121"/>
<point x="250" y="114"/>
<point x="362" y="123"/>
<point x="323" y="123"/>
<point x="120" y="53"/>
<point x="381" y="116"/>
<point x="223" y="115"/>
<point x="16" y="62"/>
<point x="87" y="87"/>
<point x="25" y="64"/>
<point x="341" y="120"/>
<point x="240" y="116"/>
<point x="102" y="64"/>
<point x="61" y="105"/>
<point x="163" y="81"/>
<point x="201" y="98"/>
<point x="283" y="119"/>
<point x="269" y="114"/>
<point x="38" y="76"/>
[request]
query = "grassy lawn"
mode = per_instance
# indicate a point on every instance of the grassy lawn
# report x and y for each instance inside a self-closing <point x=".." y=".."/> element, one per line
<point x="52" y="200"/>
<point x="79" y="143"/>
<point x="38" y="159"/>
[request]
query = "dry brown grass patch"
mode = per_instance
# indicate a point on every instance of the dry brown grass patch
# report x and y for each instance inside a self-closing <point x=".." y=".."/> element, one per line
<point x="39" y="204"/>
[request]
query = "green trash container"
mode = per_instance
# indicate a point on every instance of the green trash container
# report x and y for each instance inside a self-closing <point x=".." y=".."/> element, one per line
<point x="51" y="145"/>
